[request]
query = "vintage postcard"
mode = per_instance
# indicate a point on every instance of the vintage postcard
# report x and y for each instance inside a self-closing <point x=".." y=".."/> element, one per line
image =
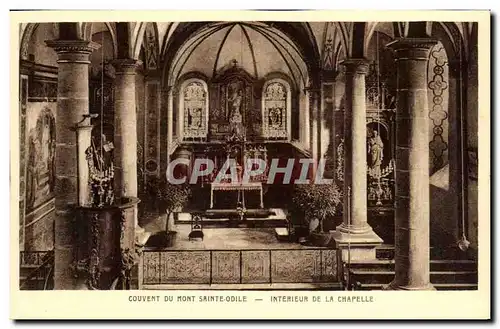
<point x="250" y="165"/>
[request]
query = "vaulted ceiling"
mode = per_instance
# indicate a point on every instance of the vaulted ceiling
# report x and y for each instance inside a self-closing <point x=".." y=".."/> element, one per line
<point x="294" y="48"/>
<point x="256" y="47"/>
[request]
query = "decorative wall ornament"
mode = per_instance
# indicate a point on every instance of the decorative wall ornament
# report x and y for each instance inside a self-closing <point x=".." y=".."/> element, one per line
<point x="328" y="47"/>
<point x="340" y="161"/>
<point x="23" y="95"/>
<point x="438" y="113"/>
<point x="152" y="128"/>
<point x="94" y="260"/>
<point x="328" y="55"/>
<point x="151" y="48"/>
<point x="276" y="110"/>
<point x="194" y="108"/>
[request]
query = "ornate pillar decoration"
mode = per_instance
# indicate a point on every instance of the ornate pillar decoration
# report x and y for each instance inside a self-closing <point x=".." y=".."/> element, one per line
<point x="72" y="106"/>
<point x="23" y="158"/>
<point x="412" y="165"/>
<point x="355" y="230"/>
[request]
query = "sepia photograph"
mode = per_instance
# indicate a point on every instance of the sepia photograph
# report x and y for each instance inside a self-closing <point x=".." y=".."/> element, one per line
<point x="246" y="157"/>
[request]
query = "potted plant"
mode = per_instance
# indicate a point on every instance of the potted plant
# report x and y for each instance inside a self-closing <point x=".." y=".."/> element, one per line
<point x="314" y="203"/>
<point x="172" y="198"/>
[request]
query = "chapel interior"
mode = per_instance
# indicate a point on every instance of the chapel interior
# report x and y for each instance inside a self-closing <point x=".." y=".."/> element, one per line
<point x="390" y="110"/>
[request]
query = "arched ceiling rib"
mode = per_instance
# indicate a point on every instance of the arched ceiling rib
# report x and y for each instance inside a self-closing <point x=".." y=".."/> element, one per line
<point x="257" y="47"/>
<point x="90" y="28"/>
<point x="292" y="52"/>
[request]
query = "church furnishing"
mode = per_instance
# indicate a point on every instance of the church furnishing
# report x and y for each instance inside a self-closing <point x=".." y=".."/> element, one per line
<point x="270" y="266"/>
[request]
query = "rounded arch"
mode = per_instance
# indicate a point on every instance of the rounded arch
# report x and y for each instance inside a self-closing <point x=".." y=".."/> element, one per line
<point x="29" y="32"/>
<point x="283" y="76"/>
<point x="385" y="27"/>
<point x="357" y="39"/>
<point x="299" y="33"/>
<point x="340" y="55"/>
<point x="193" y="91"/>
<point x="25" y="39"/>
<point x="344" y="33"/>
<point x="87" y="29"/>
<point x="168" y="33"/>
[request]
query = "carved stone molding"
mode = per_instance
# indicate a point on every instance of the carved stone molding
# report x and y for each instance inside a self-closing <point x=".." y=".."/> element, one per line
<point x="356" y="65"/>
<point x="126" y="65"/>
<point x="412" y="48"/>
<point x="73" y="51"/>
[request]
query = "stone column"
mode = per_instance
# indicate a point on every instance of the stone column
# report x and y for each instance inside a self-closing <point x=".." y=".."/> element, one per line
<point x="83" y="136"/>
<point x="72" y="106"/>
<point x="457" y="146"/>
<point x="412" y="165"/>
<point x="125" y="138"/>
<point x="355" y="233"/>
<point x="125" y="128"/>
<point x="314" y="95"/>
<point x="170" y="121"/>
<point x="304" y="121"/>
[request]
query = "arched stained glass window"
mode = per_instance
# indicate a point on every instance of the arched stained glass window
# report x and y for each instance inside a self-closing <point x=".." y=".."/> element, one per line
<point x="276" y="100"/>
<point x="194" y="105"/>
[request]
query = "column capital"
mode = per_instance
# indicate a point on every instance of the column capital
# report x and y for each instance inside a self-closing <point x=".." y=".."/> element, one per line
<point x="126" y="65"/>
<point x="73" y="51"/>
<point x="412" y="48"/>
<point x="85" y="123"/>
<point x="356" y="65"/>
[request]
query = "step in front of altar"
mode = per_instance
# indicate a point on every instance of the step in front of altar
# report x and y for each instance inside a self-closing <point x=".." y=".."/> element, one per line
<point x="273" y="217"/>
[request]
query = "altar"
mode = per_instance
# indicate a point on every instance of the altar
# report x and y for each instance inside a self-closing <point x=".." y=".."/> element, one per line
<point x="240" y="187"/>
<point x="233" y="115"/>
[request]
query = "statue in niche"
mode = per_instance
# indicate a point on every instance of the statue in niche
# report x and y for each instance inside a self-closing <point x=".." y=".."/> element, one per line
<point x="375" y="151"/>
<point x="234" y="103"/>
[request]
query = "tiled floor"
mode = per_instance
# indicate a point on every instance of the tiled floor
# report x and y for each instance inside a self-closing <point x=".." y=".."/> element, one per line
<point x="222" y="238"/>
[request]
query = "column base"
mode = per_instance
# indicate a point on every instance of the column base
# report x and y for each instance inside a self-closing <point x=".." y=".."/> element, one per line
<point x="395" y="286"/>
<point x="356" y="244"/>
